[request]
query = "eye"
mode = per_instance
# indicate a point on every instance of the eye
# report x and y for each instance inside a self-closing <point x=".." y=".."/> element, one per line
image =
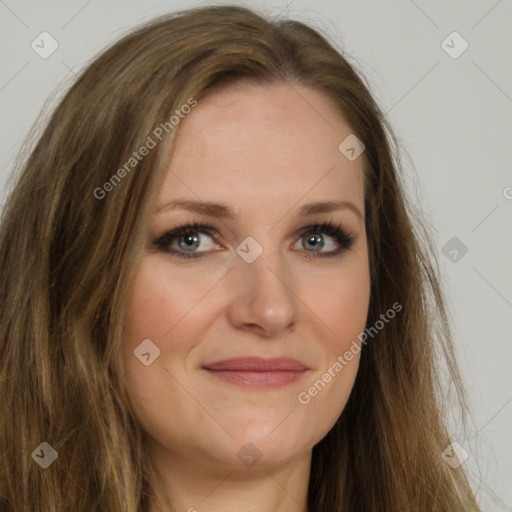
<point x="196" y="241"/>
<point x="187" y="241"/>
<point x="324" y="240"/>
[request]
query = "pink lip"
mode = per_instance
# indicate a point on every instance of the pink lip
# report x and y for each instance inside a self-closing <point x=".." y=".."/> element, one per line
<point x="257" y="372"/>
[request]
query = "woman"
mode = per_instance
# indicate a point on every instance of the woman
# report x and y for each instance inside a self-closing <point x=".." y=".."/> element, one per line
<point x="215" y="293"/>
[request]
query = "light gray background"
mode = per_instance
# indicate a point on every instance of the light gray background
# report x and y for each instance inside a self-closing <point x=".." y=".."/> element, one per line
<point x="453" y="117"/>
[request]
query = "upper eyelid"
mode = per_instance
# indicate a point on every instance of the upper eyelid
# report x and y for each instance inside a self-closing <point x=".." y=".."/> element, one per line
<point x="212" y="231"/>
<point x="193" y="226"/>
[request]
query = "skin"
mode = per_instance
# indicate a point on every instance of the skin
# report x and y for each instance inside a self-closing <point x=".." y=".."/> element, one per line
<point x="264" y="151"/>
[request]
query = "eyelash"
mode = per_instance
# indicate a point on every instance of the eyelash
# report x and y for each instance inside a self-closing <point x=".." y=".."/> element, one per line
<point x="344" y="240"/>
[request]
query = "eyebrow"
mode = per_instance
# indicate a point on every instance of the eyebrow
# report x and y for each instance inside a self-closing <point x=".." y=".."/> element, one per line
<point x="221" y="211"/>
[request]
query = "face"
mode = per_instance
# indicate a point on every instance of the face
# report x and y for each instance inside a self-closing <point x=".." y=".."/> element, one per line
<point x="250" y="314"/>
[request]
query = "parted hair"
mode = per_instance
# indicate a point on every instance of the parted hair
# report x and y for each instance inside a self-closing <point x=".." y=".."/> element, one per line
<point x="67" y="259"/>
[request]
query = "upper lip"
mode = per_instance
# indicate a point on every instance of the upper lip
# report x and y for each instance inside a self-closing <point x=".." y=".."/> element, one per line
<point x="257" y="364"/>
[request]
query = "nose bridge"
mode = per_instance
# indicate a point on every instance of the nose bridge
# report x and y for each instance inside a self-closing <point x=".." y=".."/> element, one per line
<point x="262" y="296"/>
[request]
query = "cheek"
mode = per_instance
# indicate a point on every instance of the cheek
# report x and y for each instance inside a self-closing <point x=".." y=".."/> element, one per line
<point x="160" y="300"/>
<point x="158" y="309"/>
<point x="341" y="305"/>
<point x="161" y="307"/>
<point x="340" y="300"/>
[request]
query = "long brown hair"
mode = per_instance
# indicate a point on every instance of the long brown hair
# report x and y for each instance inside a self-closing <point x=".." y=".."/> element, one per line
<point x="69" y="245"/>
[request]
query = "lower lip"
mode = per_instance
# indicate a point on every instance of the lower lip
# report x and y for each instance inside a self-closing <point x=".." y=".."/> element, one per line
<point x="249" y="379"/>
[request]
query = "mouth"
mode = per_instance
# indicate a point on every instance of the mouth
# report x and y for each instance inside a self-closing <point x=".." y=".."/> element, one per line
<point x="256" y="372"/>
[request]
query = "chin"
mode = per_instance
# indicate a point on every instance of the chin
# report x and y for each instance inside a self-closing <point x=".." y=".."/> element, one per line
<point x="257" y="445"/>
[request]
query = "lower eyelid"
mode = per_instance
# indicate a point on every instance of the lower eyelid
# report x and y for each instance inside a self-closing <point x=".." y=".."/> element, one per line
<point x="342" y="239"/>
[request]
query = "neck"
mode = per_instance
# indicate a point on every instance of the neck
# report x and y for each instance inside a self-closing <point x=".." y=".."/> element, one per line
<point x="205" y="487"/>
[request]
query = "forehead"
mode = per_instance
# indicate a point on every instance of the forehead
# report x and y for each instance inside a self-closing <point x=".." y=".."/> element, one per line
<point x="265" y="144"/>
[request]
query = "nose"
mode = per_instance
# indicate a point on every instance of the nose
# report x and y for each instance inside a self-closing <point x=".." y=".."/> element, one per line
<point x="263" y="300"/>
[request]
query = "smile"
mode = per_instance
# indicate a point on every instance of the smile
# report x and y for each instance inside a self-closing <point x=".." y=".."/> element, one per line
<point x="256" y="372"/>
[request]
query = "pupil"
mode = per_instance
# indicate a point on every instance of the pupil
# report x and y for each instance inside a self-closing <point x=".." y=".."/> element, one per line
<point x="315" y="242"/>
<point x="189" y="241"/>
